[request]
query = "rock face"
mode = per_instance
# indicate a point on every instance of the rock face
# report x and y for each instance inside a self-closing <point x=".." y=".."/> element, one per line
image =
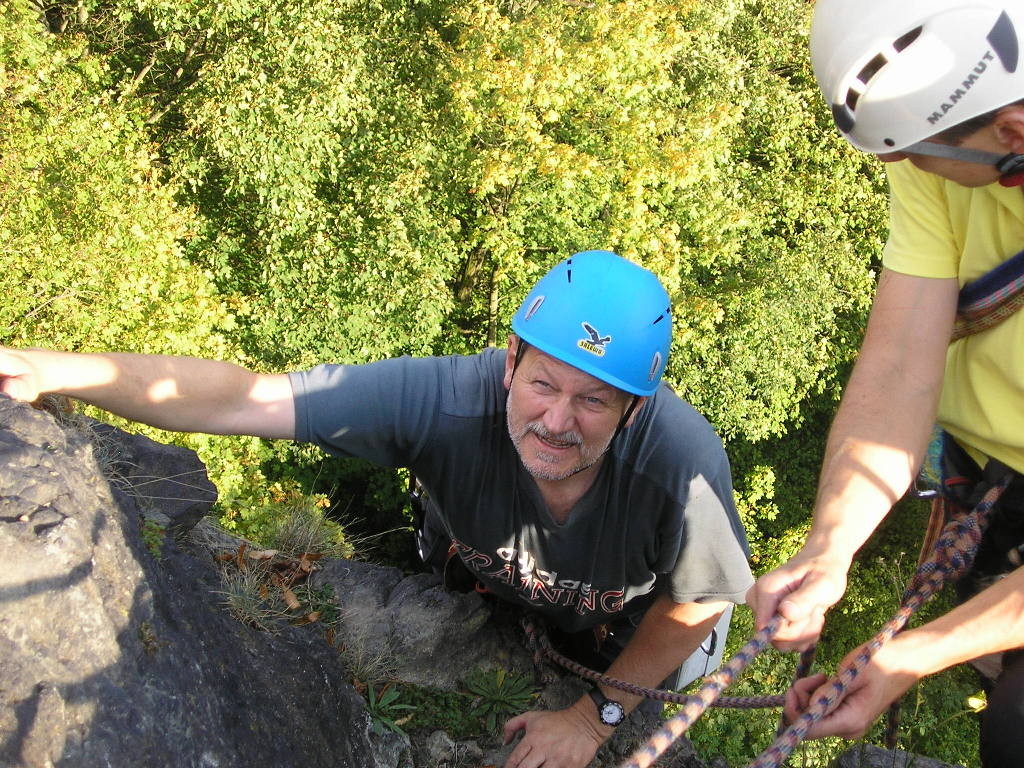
<point x="430" y="636"/>
<point x="112" y="657"/>
<point x="868" y="756"/>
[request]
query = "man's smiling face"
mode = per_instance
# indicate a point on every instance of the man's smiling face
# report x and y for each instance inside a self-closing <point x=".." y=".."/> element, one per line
<point x="560" y="419"/>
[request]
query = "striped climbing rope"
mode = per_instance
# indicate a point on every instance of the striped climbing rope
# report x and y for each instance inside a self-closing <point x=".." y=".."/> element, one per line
<point x="542" y="647"/>
<point x="951" y="557"/>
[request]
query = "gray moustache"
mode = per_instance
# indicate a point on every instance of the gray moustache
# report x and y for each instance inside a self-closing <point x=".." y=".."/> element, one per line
<point x="568" y="437"/>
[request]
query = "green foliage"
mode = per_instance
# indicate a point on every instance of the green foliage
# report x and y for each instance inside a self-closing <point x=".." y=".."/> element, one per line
<point x="775" y="482"/>
<point x="90" y="230"/>
<point x="280" y="515"/>
<point x="297" y="524"/>
<point x="386" y="711"/>
<point x="370" y="501"/>
<point x="490" y="698"/>
<point x="300" y="132"/>
<point x="320" y="601"/>
<point x="90" y="227"/>
<point x="499" y="694"/>
<point x="434" y="710"/>
<point x="153" y="537"/>
<point x="377" y="178"/>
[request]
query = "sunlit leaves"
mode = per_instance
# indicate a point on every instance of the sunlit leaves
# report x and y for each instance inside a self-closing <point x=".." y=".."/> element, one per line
<point x="89" y="229"/>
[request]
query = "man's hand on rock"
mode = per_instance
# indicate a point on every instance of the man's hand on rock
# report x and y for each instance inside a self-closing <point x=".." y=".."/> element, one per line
<point x="18" y="378"/>
<point x="564" y="738"/>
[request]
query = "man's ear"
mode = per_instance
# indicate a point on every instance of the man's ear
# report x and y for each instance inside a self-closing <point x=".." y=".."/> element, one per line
<point x="510" y="359"/>
<point x="1009" y="127"/>
<point x="636" y="409"/>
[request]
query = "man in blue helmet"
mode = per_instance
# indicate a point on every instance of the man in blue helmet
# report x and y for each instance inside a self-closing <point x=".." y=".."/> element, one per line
<point x="559" y="474"/>
<point x="936" y="89"/>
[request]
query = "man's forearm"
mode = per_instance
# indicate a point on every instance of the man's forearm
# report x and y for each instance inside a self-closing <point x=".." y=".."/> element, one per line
<point x="176" y="393"/>
<point x="665" y="638"/>
<point x="991" y="621"/>
<point x="879" y="435"/>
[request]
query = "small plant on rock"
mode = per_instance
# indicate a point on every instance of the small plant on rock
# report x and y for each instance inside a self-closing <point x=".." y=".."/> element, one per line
<point x="385" y="709"/>
<point x="299" y="526"/>
<point x="153" y="537"/>
<point x="318" y="604"/>
<point x="249" y="600"/>
<point x="368" y="661"/>
<point x="499" y="694"/>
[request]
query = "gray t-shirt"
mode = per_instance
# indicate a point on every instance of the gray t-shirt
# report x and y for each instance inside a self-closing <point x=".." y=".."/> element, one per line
<point x="660" y="508"/>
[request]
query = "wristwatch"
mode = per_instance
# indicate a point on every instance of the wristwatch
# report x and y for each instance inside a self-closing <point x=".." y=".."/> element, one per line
<point x="609" y="712"/>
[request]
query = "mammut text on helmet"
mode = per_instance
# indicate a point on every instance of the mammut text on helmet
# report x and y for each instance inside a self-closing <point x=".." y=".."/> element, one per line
<point x="969" y="82"/>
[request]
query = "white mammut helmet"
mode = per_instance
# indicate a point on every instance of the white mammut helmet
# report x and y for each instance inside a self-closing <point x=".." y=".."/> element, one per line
<point x="898" y="71"/>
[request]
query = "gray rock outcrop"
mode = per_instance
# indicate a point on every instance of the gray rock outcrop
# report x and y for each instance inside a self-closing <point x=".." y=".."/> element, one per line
<point x="111" y="657"/>
<point x="870" y="756"/>
<point x="430" y="636"/>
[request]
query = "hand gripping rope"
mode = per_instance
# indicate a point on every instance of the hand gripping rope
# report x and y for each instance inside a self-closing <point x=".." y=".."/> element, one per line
<point x="951" y="557"/>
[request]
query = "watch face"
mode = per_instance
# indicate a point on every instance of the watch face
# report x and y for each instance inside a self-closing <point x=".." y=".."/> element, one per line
<point x="611" y="713"/>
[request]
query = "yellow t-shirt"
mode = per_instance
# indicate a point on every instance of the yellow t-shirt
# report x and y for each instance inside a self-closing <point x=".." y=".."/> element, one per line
<point x="941" y="229"/>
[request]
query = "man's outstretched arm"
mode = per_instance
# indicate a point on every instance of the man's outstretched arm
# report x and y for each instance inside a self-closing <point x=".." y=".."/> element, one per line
<point x="569" y="738"/>
<point x="182" y="394"/>
<point x="874" y="448"/>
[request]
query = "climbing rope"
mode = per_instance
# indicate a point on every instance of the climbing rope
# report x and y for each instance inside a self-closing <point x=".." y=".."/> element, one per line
<point x="951" y="558"/>
<point x="542" y="648"/>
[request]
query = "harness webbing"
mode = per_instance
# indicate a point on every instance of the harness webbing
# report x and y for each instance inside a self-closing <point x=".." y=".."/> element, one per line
<point x="991" y="298"/>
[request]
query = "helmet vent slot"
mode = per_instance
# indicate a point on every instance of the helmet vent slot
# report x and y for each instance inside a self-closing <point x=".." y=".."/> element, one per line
<point x="568" y="271"/>
<point x="843" y="117"/>
<point x="872" y="68"/>
<point x="852" y="97"/>
<point x="1003" y="39"/>
<point x="662" y="316"/>
<point x="903" y="42"/>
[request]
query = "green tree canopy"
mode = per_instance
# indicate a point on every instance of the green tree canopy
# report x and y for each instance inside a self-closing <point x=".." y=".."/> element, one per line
<point x="378" y="178"/>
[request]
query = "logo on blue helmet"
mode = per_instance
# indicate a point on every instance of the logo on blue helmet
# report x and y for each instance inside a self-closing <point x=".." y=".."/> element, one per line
<point x="594" y="342"/>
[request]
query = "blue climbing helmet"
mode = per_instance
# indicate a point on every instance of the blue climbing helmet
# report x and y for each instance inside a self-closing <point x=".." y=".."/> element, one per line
<point x="605" y="315"/>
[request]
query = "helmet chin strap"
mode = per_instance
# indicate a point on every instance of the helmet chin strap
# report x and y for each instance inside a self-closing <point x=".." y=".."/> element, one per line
<point x="1011" y="165"/>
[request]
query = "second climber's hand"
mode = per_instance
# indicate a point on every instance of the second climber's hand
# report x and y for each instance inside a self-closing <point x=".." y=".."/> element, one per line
<point x="800" y="591"/>
<point x="878" y="683"/>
